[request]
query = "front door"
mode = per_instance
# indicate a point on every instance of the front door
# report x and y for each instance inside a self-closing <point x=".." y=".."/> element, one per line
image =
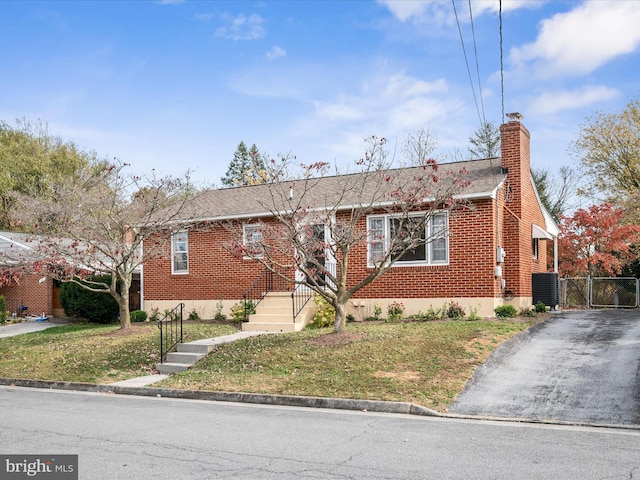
<point x="318" y="251"/>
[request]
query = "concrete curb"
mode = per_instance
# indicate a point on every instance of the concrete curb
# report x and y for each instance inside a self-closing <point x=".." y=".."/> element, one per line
<point x="255" y="398"/>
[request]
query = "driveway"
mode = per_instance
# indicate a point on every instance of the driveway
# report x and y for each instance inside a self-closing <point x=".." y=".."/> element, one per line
<point x="579" y="366"/>
<point x="28" y="327"/>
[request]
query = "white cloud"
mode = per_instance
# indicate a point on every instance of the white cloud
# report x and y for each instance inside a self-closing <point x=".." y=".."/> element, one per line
<point x="552" y="102"/>
<point x="582" y="40"/>
<point x="387" y="105"/>
<point x="242" y="28"/>
<point x="276" y="52"/>
<point x="441" y="12"/>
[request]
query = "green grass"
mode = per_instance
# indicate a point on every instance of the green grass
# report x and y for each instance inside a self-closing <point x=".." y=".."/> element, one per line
<point x="90" y="353"/>
<point x="422" y="363"/>
<point x="426" y="363"/>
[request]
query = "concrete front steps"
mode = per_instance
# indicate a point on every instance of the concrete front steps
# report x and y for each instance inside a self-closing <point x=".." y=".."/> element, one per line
<point x="189" y="353"/>
<point x="275" y="314"/>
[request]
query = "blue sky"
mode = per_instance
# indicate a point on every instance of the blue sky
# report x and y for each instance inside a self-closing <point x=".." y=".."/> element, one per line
<point x="176" y="85"/>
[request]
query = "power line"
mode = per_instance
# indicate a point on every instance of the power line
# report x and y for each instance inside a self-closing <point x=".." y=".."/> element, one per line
<point x="501" y="64"/>
<point x="475" y="51"/>
<point x="466" y="60"/>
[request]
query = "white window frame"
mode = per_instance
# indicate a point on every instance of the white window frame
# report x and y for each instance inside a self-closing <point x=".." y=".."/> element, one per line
<point x="535" y="248"/>
<point x="374" y="239"/>
<point x="175" y="242"/>
<point x="246" y="242"/>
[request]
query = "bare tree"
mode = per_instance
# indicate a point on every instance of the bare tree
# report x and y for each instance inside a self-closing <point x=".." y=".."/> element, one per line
<point x="557" y="194"/>
<point x="98" y="223"/>
<point x="319" y="221"/>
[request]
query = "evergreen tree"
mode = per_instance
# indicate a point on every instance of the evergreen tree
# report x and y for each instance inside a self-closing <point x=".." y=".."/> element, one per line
<point x="486" y="141"/>
<point x="246" y="168"/>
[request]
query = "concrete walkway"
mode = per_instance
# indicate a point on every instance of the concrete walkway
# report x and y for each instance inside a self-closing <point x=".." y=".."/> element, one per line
<point x="186" y="356"/>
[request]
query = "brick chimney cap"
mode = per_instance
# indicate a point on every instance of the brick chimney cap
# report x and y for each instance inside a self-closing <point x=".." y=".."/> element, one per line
<point x="514" y="117"/>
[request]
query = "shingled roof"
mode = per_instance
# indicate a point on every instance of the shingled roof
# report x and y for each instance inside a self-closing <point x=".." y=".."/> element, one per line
<point x="485" y="176"/>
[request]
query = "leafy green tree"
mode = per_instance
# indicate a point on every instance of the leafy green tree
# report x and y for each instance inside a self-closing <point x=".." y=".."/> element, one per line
<point x="608" y="148"/>
<point x="32" y="161"/>
<point x="246" y="168"/>
<point x="486" y="141"/>
<point x="558" y="195"/>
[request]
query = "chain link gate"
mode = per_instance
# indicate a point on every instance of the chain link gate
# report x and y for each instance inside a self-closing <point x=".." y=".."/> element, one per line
<point x="600" y="292"/>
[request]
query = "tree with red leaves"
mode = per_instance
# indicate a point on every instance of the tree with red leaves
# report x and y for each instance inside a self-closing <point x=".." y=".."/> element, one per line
<point x="97" y="222"/>
<point x="594" y="242"/>
<point x="315" y="226"/>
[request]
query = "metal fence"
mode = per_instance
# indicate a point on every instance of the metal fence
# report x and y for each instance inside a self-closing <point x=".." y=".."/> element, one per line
<point x="600" y="292"/>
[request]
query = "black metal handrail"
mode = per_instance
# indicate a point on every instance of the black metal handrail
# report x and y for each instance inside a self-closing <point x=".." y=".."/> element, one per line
<point x="267" y="282"/>
<point x="170" y="326"/>
<point x="300" y="297"/>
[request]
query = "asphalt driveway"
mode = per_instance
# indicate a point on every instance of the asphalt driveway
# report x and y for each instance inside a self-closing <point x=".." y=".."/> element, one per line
<point x="579" y="366"/>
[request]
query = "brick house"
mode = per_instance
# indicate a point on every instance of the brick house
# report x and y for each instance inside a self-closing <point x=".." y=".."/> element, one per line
<point x="34" y="293"/>
<point x="29" y="294"/>
<point x="486" y="260"/>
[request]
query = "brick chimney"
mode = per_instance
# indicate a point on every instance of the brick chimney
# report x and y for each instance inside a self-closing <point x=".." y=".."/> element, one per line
<point x="516" y="234"/>
<point x="515" y="144"/>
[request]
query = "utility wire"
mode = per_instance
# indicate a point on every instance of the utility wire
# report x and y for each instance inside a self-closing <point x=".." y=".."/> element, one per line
<point x="466" y="60"/>
<point x="501" y="64"/>
<point x="475" y="51"/>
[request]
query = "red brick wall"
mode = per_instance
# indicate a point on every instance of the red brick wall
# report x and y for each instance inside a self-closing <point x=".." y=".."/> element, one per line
<point x="30" y="292"/>
<point x="214" y="272"/>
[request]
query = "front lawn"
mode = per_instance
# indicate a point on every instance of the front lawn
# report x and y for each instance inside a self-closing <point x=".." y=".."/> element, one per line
<point x="423" y="363"/>
<point x="91" y="353"/>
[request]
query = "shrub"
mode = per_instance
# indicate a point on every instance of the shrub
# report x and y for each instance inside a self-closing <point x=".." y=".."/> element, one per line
<point x="4" y="314"/>
<point x="540" y="307"/>
<point x="138" y="316"/>
<point x="324" y="315"/>
<point x="350" y="318"/>
<point x="395" y="311"/>
<point x="505" y="311"/>
<point x="473" y="315"/>
<point x="155" y="315"/>
<point x="377" y="311"/>
<point x="455" y="311"/>
<point x="193" y="315"/>
<point x="98" y="307"/>
<point x="238" y="310"/>
<point x="527" y="312"/>
<point x="429" y="315"/>
<point x="219" y="306"/>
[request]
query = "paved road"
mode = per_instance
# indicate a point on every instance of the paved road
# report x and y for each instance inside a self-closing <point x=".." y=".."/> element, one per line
<point x="124" y="437"/>
<point x="580" y="366"/>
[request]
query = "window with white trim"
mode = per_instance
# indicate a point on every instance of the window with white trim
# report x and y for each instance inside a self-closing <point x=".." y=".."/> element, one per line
<point x="431" y="249"/>
<point x="535" y="246"/>
<point x="252" y="240"/>
<point x="180" y="252"/>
